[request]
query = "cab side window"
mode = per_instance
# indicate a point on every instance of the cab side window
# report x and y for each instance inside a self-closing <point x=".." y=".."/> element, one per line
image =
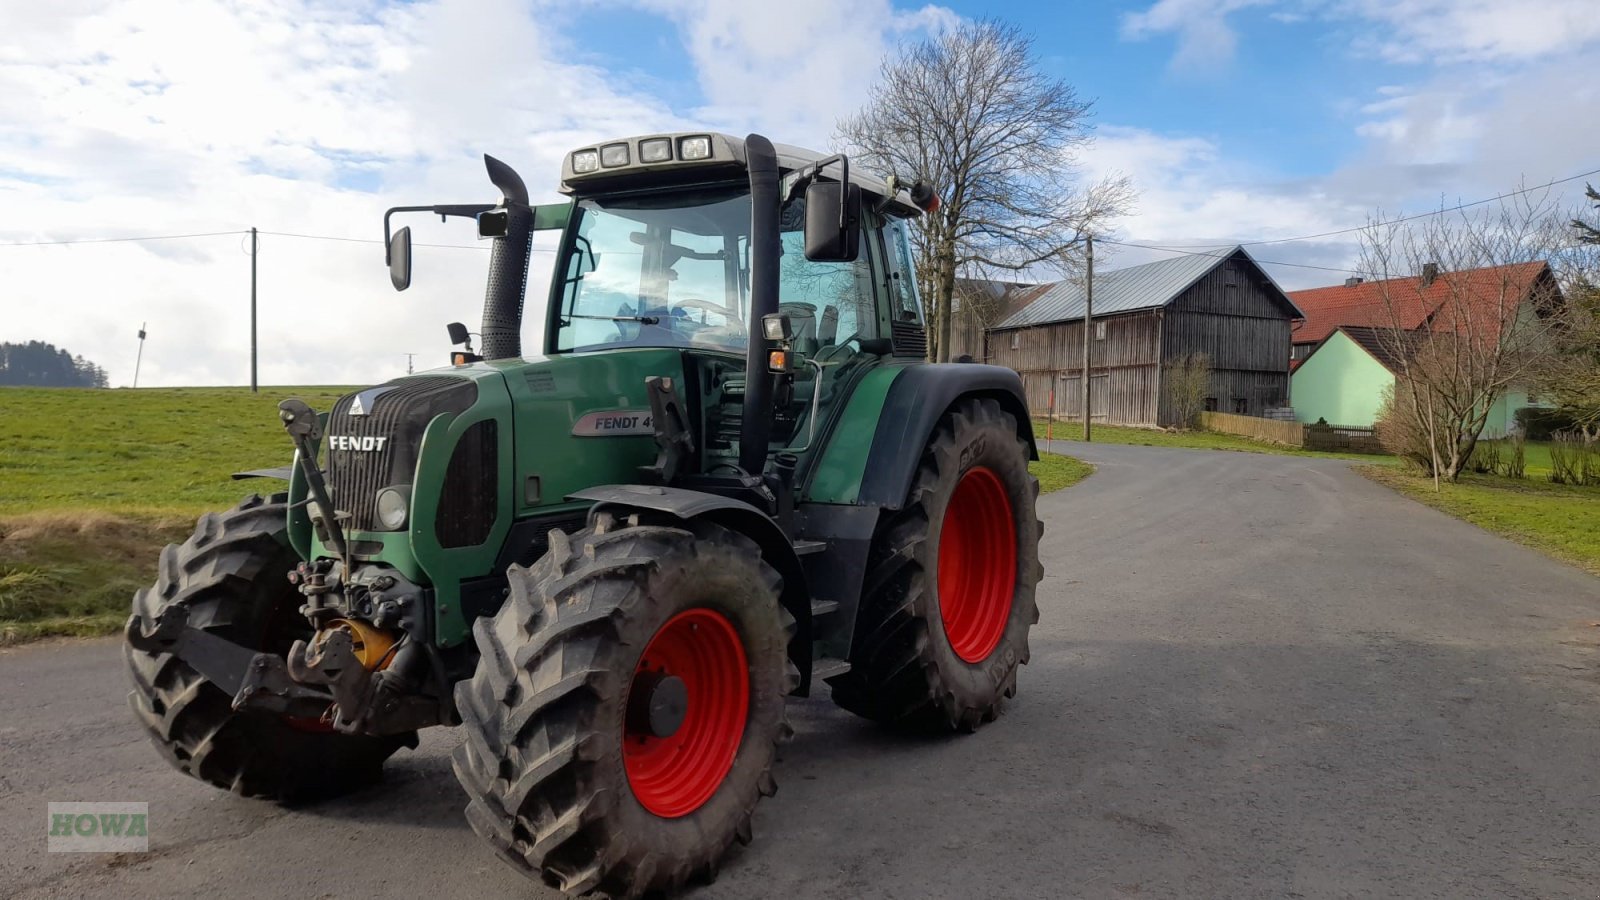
<point x="827" y="302"/>
<point x="904" y="303"/>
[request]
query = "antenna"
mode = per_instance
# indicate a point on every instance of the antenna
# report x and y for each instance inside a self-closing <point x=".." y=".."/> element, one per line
<point x="409" y="357"/>
<point x="140" y="358"/>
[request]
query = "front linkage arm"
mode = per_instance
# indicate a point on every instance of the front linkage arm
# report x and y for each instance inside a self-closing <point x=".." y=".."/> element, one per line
<point x="257" y="680"/>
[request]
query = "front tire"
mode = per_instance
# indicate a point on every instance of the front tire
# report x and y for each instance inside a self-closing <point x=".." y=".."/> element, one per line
<point x="232" y="575"/>
<point x="949" y="596"/>
<point x="567" y="776"/>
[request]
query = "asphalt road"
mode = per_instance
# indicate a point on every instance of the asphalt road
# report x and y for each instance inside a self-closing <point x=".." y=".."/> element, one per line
<point x="1255" y="676"/>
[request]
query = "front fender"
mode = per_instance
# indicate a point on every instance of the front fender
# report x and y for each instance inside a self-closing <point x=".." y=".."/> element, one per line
<point x="735" y="515"/>
<point x="915" y="403"/>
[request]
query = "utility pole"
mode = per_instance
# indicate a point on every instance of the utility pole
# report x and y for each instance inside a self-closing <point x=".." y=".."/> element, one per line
<point x="254" y="388"/>
<point x="408" y="362"/>
<point x="140" y="357"/>
<point x="1088" y="322"/>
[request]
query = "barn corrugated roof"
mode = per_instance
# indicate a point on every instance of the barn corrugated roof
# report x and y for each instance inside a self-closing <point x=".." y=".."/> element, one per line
<point x="1148" y="286"/>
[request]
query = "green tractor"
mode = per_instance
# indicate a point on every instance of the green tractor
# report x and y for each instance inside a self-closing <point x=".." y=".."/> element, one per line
<point x="730" y="475"/>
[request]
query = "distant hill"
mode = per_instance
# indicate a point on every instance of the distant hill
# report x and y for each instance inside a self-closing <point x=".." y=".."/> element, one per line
<point x="37" y="364"/>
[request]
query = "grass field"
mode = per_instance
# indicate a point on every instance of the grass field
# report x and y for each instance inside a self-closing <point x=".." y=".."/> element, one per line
<point x="94" y="483"/>
<point x="1055" y="471"/>
<point x="1192" y="440"/>
<point x="1560" y="520"/>
<point x="158" y="451"/>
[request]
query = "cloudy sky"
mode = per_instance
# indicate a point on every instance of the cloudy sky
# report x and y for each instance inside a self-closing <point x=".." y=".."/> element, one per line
<point x="1237" y="120"/>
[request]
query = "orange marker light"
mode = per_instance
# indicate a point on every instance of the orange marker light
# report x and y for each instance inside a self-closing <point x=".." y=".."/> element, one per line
<point x="778" y="360"/>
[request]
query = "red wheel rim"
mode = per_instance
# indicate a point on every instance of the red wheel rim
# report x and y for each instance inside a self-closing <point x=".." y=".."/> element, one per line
<point x="309" y="725"/>
<point x="675" y="775"/>
<point x="977" y="565"/>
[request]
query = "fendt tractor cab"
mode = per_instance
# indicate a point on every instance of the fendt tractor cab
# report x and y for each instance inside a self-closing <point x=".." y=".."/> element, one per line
<point x="728" y="476"/>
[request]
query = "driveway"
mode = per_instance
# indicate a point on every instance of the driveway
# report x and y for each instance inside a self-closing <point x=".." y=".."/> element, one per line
<point x="1254" y="676"/>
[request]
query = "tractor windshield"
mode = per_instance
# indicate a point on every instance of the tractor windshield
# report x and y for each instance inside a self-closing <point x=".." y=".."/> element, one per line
<point x="668" y="270"/>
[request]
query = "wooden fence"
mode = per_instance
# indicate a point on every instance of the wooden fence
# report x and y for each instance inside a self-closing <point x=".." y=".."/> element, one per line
<point x="1270" y="430"/>
<point x="1294" y="434"/>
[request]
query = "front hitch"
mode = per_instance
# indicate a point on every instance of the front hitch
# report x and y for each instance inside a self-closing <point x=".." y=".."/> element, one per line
<point x="254" y="680"/>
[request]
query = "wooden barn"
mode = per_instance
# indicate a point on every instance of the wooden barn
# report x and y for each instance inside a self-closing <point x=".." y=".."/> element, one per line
<point x="1147" y="318"/>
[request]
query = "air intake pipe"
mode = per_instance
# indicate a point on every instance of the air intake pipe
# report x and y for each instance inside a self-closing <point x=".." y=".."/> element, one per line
<point x="508" y="266"/>
<point x="756" y="425"/>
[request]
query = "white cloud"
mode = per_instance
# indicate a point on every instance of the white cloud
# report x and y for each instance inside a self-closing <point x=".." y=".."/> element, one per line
<point x="118" y="120"/>
<point x="1452" y="31"/>
<point x="1429" y="32"/>
<point x="770" y="66"/>
<point x="1191" y="196"/>
<point x="1205" y="40"/>
<point x="127" y="117"/>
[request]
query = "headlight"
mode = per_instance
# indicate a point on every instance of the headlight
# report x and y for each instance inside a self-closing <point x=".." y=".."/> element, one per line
<point x="393" y="505"/>
<point x="654" y="151"/>
<point x="698" y="147"/>
<point x="613" y="155"/>
<point x="585" y="161"/>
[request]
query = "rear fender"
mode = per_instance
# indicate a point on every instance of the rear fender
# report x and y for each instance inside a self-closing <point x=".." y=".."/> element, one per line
<point x="735" y="515"/>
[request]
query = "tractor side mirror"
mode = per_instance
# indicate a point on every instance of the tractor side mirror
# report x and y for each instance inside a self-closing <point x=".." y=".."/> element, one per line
<point x="494" y="223"/>
<point x="833" y="222"/>
<point x="458" y="334"/>
<point x="400" y="259"/>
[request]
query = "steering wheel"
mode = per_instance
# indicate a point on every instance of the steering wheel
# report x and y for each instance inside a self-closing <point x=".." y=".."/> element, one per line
<point x="707" y="305"/>
<point x="842" y="348"/>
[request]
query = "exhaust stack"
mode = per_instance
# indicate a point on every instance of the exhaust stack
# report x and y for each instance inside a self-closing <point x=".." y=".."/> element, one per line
<point x="508" y="266"/>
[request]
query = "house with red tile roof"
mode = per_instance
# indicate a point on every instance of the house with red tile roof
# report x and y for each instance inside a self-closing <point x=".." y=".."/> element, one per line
<point x="1345" y="353"/>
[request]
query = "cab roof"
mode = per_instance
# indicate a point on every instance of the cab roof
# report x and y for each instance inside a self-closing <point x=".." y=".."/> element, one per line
<point x="727" y="154"/>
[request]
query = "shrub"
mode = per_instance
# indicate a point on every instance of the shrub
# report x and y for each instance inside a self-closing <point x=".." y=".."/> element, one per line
<point x="1188" y="382"/>
<point x="1401" y="434"/>
<point x="1487" y="458"/>
<point x="1574" y="458"/>
<point x="1541" y="424"/>
<point x="1517" y="462"/>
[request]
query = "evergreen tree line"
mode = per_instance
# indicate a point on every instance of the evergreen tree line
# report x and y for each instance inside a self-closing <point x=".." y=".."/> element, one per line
<point x="38" y="364"/>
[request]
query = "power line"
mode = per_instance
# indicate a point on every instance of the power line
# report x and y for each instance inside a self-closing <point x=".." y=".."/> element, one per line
<point x="119" y="240"/>
<point x="1283" y="240"/>
<point x="1436" y="212"/>
<point x="351" y="240"/>
<point x="1224" y="254"/>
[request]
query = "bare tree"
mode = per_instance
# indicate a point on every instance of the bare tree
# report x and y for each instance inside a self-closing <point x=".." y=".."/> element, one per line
<point x="1470" y="313"/>
<point x="1187" y="382"/>
<point x="971" y="112"/>
<point x="1570" y="374"/>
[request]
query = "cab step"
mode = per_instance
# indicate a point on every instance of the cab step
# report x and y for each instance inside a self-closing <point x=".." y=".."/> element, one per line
<point x="806" y="548"/>
<point x="828" y="667"/>
<point x="823" y="607"/>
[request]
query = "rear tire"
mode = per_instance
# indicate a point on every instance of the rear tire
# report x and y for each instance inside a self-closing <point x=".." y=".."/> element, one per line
<point x="949" y="595"/>
<point x="561" y="780"/>
<point x="231" y="574"/>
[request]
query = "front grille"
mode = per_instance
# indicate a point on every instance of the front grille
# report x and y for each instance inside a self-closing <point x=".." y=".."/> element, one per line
<point x="398" y="412"/>
<point x="909" y="339"/>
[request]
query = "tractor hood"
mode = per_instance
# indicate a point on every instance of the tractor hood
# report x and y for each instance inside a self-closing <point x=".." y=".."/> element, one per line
<point x="481" y="483"/>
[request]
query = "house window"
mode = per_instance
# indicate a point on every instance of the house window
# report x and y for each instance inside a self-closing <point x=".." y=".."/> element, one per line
<point x="1230" y="278"/>
<point x="1099" y="331"/>
<point x="1241" y="406"/>
<point x="1211" y="404"/>
<point x="1016" y="340"/>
